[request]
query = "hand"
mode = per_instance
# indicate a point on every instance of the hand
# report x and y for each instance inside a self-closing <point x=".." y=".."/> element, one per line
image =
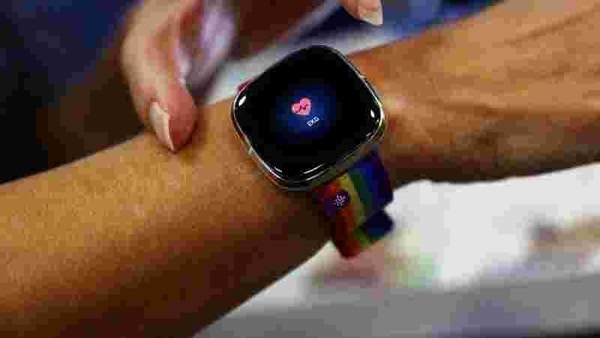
<point x="173" y="49"/>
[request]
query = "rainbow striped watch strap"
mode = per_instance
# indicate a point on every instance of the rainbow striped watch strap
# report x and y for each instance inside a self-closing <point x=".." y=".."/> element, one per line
<point x="355" y="202"/>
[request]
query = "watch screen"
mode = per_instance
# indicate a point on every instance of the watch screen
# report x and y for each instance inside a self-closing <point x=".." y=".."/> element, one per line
<point x="306" y="113"/>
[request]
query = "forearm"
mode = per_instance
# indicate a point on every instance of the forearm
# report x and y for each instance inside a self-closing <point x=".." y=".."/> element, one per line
<point x="153" y="242"/>
<point x="512" y="91"/>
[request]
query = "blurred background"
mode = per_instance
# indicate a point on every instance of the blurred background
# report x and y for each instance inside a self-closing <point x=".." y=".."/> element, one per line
<point x="517" y="257"/>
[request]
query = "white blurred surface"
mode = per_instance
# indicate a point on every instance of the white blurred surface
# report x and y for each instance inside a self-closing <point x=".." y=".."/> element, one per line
<point x="518" y="310"/>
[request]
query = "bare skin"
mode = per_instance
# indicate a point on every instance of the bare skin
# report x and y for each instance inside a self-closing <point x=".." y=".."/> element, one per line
<point x="136" y="242"/>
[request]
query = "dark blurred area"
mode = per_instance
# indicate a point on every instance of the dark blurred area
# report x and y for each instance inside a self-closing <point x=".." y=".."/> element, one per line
<point x="45" y="47"/>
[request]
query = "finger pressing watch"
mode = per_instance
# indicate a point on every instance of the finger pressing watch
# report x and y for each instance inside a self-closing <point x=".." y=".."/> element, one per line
<point x="312" y="122"/>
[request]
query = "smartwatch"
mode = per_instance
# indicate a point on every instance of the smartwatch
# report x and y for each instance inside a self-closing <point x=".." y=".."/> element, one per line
<point x="312" y="122"/>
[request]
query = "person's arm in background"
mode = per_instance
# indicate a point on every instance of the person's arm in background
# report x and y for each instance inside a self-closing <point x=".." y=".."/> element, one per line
<point x="161" y="43"/>
<point x="136" y="242"/>
<point x="153" y="66"/>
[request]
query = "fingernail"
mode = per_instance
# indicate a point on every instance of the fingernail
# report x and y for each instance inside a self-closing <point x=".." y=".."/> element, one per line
<point x="209" y="45"/>
<point x="371" y="11"/>
<point x="160" y="121"/>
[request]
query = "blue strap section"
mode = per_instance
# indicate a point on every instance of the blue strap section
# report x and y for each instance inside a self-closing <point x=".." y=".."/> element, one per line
<point x="378" y="226"/>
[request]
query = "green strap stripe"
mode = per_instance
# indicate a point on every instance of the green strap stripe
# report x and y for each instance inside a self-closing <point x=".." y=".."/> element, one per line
<point x="362" y="188"/>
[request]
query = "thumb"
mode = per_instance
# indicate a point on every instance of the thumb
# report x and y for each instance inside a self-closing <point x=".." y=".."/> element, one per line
<point x="159" y="57"/>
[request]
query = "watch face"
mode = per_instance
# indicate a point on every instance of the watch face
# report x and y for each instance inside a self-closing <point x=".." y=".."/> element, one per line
<point x="306" y="114"/>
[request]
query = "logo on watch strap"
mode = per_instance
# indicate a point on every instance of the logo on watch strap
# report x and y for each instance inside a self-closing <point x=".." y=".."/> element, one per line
<point x="339" y="201"/>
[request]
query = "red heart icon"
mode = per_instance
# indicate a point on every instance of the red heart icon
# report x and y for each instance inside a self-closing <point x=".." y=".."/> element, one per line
<point x="302" y="108"/>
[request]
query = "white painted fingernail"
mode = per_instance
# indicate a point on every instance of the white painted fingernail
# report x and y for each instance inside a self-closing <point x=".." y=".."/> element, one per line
<point x="160" y="122"/>
<point x="371" y="11"/>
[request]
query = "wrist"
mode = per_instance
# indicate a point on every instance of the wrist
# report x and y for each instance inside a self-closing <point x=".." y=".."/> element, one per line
<point x="428" y="135"/>
<point x="401" y="141"/>
<point x="324" y="143"/>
